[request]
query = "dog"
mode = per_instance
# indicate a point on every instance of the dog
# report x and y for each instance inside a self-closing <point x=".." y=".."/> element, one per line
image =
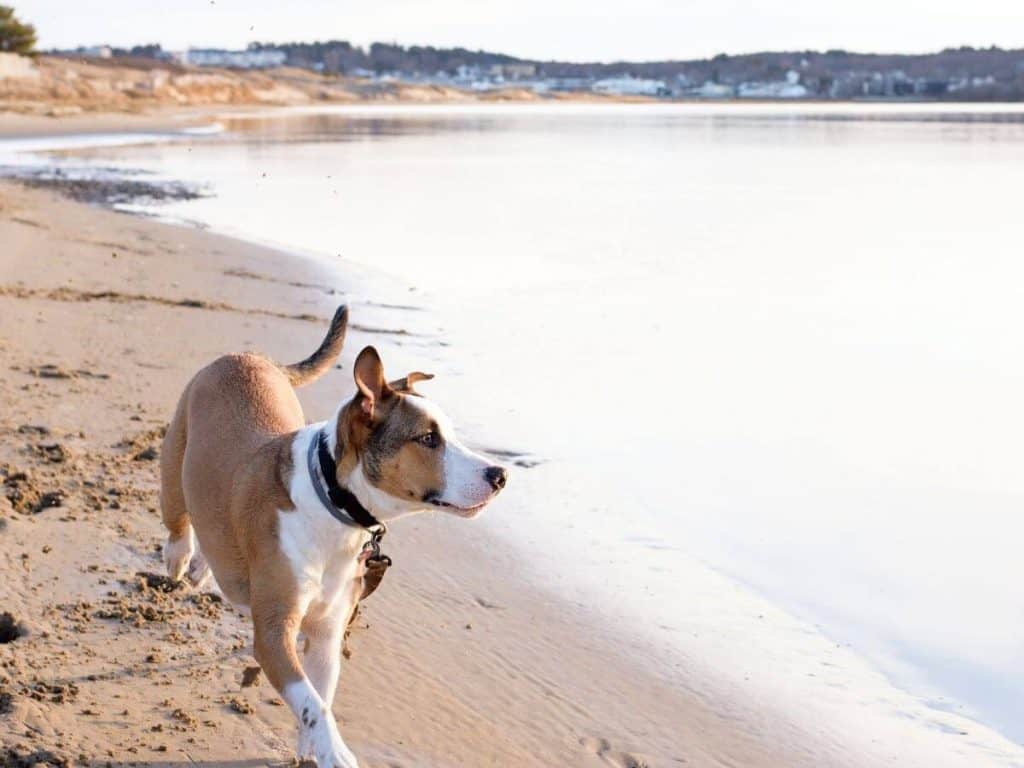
<point x="286" y="515"/>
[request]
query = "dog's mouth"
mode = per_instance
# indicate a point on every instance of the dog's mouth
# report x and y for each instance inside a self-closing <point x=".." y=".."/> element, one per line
<point x="472" y="511"/>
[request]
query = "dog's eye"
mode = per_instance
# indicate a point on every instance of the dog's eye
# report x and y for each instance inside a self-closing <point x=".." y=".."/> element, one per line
<point x="430" y="440"/>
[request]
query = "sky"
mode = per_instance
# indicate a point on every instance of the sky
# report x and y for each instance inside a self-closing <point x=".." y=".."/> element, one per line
<point x="575" y="30"/>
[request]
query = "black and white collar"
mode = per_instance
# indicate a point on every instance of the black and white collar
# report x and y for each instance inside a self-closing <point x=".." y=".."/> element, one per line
<point x="340" y="502"/>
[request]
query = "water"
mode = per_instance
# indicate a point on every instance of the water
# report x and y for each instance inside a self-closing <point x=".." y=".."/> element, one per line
<point x="782" y="341"/>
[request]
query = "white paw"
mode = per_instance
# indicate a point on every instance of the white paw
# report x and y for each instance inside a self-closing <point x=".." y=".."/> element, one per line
<point x="199" y="570"/>
<point x="319" y="739"/>
<point x="177" y="555"/>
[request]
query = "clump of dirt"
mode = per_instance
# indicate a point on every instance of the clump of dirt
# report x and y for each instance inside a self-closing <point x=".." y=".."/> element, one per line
<point x="157" y="582"/>
<point x="6" y="701"/>
<point x="250" y="677"/>
<point x="50" y="371"/>
<point x="48" y="500"/>
<point x="20" y="490"/>
<point x="145" y="445"/>
<point x="78" y="614"/>
<point x="241" y="706"/>
<point x="146" y="454"/>
<point x="9" y="629"/>
<point x="54" y="453"/>
<point x="134" y="612"/>
<point x="208" y="604"/>
<point x="55" y="693"/>
<point x="187" y="719"/>
<point x="53" y="371"/>
<point x="156" y="599"/>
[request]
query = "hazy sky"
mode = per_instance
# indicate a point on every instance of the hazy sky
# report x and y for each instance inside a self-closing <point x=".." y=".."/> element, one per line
<point x="563" y="29"/>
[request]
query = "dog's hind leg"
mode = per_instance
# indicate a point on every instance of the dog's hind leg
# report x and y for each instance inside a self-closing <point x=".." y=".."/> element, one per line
<point x="180" y="544"/>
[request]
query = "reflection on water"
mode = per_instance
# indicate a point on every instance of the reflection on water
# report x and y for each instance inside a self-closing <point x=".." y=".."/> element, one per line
<point x="784" y="340"/>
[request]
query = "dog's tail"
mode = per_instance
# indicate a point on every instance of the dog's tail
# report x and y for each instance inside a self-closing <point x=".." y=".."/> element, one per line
<point x="314" y="366"/>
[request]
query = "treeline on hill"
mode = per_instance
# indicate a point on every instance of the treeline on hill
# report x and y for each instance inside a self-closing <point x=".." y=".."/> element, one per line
<point x="342" y="57"/>
<point x="723" y="68"/>
<point x="820" y="71"/>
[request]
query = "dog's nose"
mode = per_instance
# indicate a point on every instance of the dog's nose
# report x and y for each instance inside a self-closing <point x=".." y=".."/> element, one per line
<point x="496" y="476"/>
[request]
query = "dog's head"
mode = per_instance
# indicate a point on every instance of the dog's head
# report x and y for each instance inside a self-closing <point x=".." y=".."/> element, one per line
<point x="399" y="453"/>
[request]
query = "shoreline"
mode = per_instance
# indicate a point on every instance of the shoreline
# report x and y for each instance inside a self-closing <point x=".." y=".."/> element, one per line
<point x="170" y="118"/>
<point x="631" y="677"/>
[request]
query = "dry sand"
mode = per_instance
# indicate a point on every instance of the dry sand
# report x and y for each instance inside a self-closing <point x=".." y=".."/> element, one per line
<point x="456" y="662"/>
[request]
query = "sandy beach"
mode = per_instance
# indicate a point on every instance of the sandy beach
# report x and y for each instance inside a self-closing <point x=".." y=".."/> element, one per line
<point x="456" y="662"/>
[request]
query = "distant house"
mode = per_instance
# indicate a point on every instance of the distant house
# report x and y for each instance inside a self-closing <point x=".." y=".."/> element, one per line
<point x="251" y="59"/>
<point x="927" y="87"/>
<point x="513" y="71"/>
<point x="712" y="90"/>
<point x="96" y="51"/>
<point x="570" y="84"/>
<point x="790" y="88"/>
<point x="630" y="86"/>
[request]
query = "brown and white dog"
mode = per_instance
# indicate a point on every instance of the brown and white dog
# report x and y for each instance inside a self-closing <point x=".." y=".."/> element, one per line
<point x="284" y="513"/>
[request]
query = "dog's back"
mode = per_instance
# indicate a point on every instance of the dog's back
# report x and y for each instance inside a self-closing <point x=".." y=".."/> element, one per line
<point x="232" y="419"/>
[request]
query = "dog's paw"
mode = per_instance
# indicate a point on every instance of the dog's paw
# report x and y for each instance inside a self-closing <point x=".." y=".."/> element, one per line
<point x="319" y="739"/>
<point x="338" y="758"/>
<point x="198" y="571"/>
<point x="177" y="555"/>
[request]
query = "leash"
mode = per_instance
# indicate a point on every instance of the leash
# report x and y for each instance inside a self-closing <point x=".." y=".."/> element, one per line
<point x="347" y="510"/>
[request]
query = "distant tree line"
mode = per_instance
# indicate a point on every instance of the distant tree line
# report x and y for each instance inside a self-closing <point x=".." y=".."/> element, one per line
<point x="340" y="56"/>
<point x="821" y="72"/>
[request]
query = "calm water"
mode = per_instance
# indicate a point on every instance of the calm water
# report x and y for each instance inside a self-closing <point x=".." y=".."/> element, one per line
<point x="784" y="342"/>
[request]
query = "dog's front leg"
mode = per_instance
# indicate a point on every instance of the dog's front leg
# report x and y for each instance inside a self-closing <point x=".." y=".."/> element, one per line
<point x="322" y="659"/>
<point x="274" y="645"/>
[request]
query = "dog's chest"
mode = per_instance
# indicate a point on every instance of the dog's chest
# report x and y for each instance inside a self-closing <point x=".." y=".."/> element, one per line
<point x="324" y="559"/>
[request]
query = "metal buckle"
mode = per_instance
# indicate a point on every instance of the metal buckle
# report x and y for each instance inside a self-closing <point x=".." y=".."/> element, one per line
<point x="373" y="545"/>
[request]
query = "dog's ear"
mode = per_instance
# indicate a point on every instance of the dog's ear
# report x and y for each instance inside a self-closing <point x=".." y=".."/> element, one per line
<point x="406" y="385"/>
<point x="369" y="375"/>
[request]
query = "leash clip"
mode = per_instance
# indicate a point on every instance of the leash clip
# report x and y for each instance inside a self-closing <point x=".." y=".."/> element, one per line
<point x="371" y="549"/>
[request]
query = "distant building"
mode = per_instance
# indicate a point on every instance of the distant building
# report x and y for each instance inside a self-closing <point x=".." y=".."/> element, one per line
<point x="712" y="90"/>
<point x="96" y="51"/>
<point x="630" y="86"/>
<point x="790" y="88"/>
<point x="253" y="59"/>
<point x="513" y="71"/>
<point x="570" y="84"/>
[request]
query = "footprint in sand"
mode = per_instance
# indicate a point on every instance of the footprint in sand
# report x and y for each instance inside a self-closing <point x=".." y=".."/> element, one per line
<point x="609" y="755"/>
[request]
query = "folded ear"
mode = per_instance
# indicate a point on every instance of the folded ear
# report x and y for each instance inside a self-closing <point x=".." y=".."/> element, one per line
<point x="407" y="384"/>
<point x="369" y="375"/>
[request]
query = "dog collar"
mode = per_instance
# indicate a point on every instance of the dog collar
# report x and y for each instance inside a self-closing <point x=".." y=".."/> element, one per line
<point x="340" y="502"/>
<point x="346" y="509"/>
